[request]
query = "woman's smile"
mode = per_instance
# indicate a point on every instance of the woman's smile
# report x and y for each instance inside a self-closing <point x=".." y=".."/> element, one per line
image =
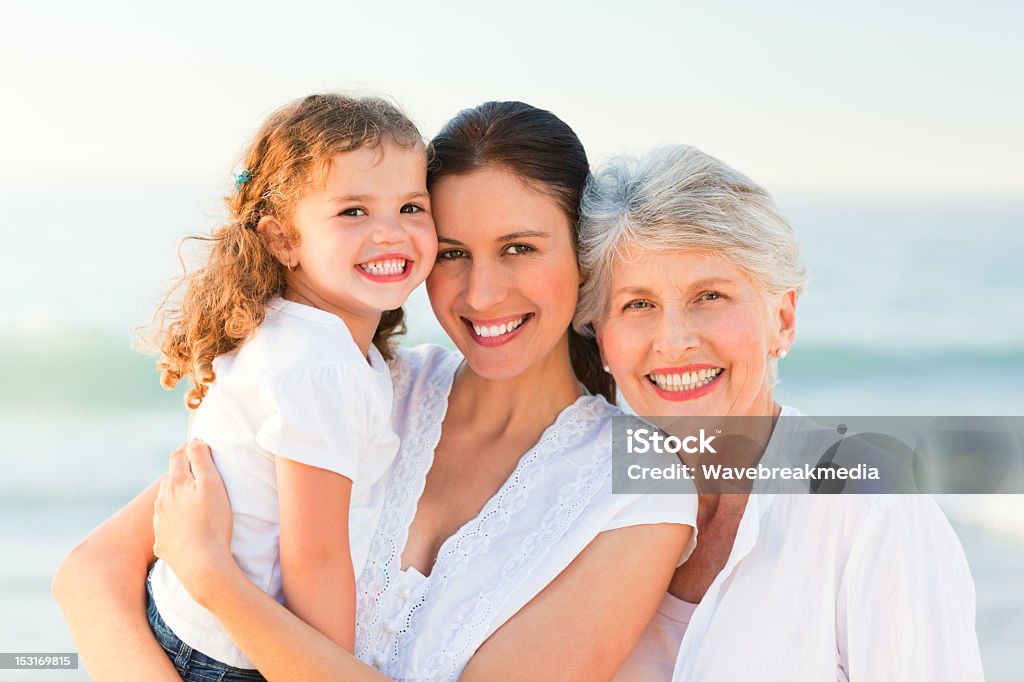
<point x="505" y="284"/>
<point x="688" y="332"/>
<point x="685" y="383"/>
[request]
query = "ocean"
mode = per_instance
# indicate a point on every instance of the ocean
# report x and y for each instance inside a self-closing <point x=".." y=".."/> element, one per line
<point x="915" y="307"/>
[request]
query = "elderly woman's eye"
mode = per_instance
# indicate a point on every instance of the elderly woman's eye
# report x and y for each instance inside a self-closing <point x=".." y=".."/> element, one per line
<point x="451" y="254"/>
<point x="637" y="304"/>
<point x="519" y="249"/>
<point x="710" y="296"/>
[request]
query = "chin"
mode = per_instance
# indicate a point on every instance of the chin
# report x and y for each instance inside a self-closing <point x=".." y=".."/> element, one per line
<point x="491" y="367"/>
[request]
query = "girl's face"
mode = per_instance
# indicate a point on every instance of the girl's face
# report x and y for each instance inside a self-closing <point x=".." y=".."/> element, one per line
<point x="506" y="280"/>
<point x="366" y="238"/>
<point x="690" y="334"/>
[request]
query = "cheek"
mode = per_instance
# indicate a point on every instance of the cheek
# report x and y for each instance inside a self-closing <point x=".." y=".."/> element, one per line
<point x="426" y="242"/>
<point x="742" y="337"/>
<point x="441" y="285"/>
<point x="623" y="347"/>
<point x="558" y="286"/>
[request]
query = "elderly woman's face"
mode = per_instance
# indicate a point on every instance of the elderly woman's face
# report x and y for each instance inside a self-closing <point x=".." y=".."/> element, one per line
<point x="506" y="280"/>
<point x="690" y="334"/>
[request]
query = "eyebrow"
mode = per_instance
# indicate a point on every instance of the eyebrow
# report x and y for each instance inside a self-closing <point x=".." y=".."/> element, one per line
<point x="710" y="281"/>
<point x="633" y="291"/>
<point x="367" y="197"/>
<point x="645" y="291"/>
<point x="503" y="239"/>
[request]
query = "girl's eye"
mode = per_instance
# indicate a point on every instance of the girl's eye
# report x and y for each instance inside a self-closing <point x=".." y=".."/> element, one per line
<point x="637" y="304"/>
<point x="519" y="249"/>
<point x="353" y="212"/>
<point x="451" y="254"/>
<point x="710" y="296"/>
<point x="412" y="208"/>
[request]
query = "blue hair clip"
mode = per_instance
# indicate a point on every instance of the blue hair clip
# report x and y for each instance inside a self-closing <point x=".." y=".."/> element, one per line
<point x="242" y="178"/>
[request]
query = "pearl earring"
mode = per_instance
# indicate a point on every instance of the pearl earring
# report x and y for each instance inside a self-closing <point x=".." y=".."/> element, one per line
<point x="781" y="353"/>
<point x="608" y="369"/>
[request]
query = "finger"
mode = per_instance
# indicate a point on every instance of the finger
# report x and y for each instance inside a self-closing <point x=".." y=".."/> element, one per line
<point x="200" y="459"/>
<point x="178" y="472"/>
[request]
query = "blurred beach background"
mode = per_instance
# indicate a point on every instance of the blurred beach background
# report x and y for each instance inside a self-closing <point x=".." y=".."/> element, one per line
<point x="891" y="140"/>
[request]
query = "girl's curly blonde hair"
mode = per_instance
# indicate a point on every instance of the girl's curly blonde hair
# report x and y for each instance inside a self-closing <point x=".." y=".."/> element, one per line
<point x="224" y="300"/>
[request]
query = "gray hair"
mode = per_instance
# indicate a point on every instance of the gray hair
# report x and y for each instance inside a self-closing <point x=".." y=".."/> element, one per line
<point x="677" y="198"/>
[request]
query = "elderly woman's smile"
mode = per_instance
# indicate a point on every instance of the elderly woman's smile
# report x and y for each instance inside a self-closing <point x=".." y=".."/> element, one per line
<point x="689" y="332"/>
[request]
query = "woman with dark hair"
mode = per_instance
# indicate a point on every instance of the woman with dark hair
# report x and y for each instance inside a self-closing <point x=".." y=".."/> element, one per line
<point x="499" y="534"/>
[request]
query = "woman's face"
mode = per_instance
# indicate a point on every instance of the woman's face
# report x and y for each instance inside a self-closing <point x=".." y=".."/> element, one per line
<point x="687" y="333"/>
<point x="506" y="279"/>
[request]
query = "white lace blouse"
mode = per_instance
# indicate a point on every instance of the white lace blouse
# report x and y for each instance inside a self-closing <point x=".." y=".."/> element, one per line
<point x="557" y="500"/>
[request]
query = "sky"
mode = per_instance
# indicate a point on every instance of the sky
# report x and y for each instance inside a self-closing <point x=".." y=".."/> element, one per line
<point x="842" y="98"/>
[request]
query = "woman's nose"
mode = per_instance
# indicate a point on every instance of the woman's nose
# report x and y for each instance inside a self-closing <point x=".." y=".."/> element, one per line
<point x="487" y="286"/>
<point x="675" y="334"/>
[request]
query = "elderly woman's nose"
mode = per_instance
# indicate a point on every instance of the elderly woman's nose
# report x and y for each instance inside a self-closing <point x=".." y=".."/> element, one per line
<point x="675" y="333"/>
<point x="486" y="287"/>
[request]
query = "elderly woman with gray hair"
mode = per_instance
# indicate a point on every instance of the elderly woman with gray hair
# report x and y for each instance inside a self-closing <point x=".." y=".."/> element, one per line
<point x="693" y="278"/>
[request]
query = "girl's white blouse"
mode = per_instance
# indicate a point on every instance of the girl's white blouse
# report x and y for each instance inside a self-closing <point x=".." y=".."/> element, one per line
<point x="415" y="627"/>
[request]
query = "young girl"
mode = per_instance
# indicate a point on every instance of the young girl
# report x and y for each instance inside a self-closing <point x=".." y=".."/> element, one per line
<point x="284" y="333"/>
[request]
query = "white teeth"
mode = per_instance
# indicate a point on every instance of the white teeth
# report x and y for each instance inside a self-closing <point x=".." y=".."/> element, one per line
<point x="687" y="381"/>
<point x="497" y="330"/>
<point x="394" y="266"/>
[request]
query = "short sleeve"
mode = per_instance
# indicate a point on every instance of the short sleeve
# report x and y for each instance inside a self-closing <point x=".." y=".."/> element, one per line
<point x="654" y="508"/>
<point x="905" y="608"/>
<point x="317" y="416"/>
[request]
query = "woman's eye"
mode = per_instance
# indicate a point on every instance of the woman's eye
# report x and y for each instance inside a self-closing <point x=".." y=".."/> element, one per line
<point x="519" y="249"/>
<point x="710" y="296"/>
<point x="638" y="304"/>
<point x="412" y="208"/>
<point x="451" y="254"/>
<point x="353" y="212"/>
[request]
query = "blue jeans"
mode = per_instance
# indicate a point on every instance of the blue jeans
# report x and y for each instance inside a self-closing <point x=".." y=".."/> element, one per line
<point x="192" y="665"/>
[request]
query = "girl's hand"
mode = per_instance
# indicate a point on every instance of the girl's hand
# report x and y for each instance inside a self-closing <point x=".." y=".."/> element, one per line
<point x="192" y="521"/>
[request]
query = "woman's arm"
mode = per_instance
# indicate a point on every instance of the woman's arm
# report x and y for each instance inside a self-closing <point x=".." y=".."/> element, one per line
<point x="193" y="534"/>
<point x="583" y="625"/>
<point x="101" y="586"/>
<point x="317" y="577"/>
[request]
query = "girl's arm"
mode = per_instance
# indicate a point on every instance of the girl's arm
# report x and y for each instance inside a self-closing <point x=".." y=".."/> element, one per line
<point x="317" y="577"/>
<point x="101" y="586"/>
<point x="193" y="534"/>
<point x="581" y="626"/>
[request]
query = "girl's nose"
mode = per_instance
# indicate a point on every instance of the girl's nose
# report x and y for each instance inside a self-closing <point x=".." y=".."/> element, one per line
<point x="388" y="230"/>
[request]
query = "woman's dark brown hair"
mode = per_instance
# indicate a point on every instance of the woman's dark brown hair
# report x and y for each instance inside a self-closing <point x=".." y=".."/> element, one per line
<point x="539" y="147"/>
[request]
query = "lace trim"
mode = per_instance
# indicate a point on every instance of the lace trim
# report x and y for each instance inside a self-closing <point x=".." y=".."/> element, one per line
<point x="473" y="613"/>
<point x="405" y="486"/>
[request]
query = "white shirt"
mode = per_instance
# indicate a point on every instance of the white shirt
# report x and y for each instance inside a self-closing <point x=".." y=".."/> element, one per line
<point x="415" y="627"/>
<point x="827" y="587"/>
<point x="299" y="388"/>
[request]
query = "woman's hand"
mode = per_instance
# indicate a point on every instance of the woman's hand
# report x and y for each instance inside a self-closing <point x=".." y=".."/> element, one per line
<point x="192" y="521"/>
<point x="101" y="586"/>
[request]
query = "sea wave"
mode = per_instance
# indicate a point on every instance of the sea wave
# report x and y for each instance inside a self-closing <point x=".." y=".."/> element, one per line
<point x="95" y="370"/>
